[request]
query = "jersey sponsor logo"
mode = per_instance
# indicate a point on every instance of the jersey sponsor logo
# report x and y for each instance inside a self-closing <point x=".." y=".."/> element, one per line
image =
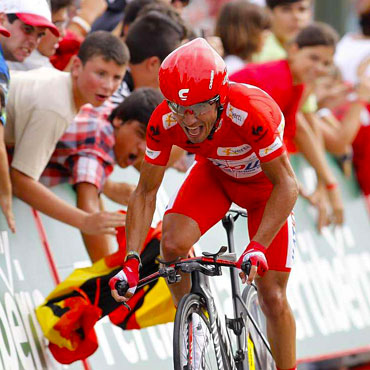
<point x="271" y="148"/>
<point x="183" y="94"/>
<point x="168" y="121"/>
<point x="236" y="115"/>
<point x="233" y="151"/>
<point x="152" y="154"/>
<point x="245" y="167"/>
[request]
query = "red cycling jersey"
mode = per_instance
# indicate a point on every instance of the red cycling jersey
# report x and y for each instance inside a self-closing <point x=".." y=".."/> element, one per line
<point x="249" y="131"/>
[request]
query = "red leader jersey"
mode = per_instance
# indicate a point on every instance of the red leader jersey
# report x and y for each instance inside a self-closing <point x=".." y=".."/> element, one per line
<point x="249" y="131"/>
<point x="276" y="79"/>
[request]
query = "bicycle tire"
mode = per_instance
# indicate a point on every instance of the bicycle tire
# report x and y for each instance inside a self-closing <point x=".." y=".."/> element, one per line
<point x="261" y="359"/>
<point x="185" y="342"/>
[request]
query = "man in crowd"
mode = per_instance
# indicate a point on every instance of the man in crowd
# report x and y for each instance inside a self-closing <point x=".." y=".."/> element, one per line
<point x="49" y="42"/>
<point x="41" y="105"/>
<point x="236" y="130"/>
<point x="27" y="22"/>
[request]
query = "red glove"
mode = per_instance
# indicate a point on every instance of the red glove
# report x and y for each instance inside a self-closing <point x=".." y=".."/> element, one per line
<point x="255" y="253"/>
<point x="129" y="274"/>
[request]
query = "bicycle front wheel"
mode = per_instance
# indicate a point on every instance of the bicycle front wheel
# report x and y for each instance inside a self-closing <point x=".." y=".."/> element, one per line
<point x="259" y="355"/>
<point x="193" y="346"/>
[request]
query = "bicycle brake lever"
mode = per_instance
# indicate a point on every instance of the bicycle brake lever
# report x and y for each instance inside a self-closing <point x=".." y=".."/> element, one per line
<point x="246" y="267"/>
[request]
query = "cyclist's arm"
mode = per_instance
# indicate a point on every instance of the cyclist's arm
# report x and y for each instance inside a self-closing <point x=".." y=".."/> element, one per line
<point x="142" y="205"/>
<point x="281" y="200"/>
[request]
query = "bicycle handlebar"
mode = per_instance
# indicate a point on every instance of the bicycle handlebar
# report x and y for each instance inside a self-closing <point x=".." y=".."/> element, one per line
<point x="205" y="265"/>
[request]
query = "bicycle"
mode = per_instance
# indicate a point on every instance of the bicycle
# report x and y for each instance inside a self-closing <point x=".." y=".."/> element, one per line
<point x="211" y="347"/>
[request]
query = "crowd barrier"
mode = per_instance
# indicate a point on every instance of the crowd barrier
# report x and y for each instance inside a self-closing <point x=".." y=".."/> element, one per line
<point x="329" y="289"/>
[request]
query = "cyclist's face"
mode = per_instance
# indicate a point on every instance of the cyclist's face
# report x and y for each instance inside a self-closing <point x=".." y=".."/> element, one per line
<point x="129" y="147"/>
<point x="289" y="19"/>
<point x="49" y="43"/>
<point x="96" y="80"/>
<point x="311" y="62"/>
<point x="197" y="127"/>
<point x="23" y="40"/>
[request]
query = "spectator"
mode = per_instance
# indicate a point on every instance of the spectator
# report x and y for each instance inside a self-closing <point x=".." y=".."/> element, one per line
<point x="48" y="43"/>
<point x="150" y="39"/>
<point x="242" y="28"/>
<point x="78" y="27"/>
<point x="288" y="17"/>
<point x="346" y="123"/>
<point x="353" y="48"/>
<point x="301" y="67"/>
<point x="37" y="119"/>
<point x="27" y="22"/>
<point x="5" y="185"/>
<point x="112" y="16"/>
<point x="88" y="150"/>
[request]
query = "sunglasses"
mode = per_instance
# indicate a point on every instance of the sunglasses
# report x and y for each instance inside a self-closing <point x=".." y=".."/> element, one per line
<point x="196" y="109"/>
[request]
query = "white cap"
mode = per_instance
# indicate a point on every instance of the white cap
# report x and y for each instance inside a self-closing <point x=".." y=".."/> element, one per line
<point x="33" y="12"/>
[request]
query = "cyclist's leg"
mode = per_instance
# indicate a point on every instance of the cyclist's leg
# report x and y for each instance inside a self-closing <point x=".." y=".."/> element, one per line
<point x="272" y="291"/>
<point x="280" y="321"/>
<point x="197" y="206"/>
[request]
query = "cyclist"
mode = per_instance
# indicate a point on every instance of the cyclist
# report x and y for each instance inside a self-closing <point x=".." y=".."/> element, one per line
<point x="236" y="132"/>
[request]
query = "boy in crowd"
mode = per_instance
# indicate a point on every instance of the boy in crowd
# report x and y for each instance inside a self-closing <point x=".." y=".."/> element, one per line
<point x="27" y="22"/>
<point x="5" y="185"/>
<point x="147" y="50"/>
<point x="288" y="17"/>
<point x="49" y="42"/>
<point x="309" y="57"/>
<point x="37" y="119"/>
<point x="88" y="150"/>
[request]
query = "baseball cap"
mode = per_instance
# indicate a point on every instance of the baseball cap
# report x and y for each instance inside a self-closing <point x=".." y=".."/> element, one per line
<point x="33" y="12"/>
<point x="4" y="31"/>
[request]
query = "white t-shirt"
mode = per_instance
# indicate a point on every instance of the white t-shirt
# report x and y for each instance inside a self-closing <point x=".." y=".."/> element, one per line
<point x="40" y="108"/>
<point x="350" y="52"/>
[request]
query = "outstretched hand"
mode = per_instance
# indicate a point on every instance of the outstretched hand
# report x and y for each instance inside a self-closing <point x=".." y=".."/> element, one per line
<point x="103" y="223"/>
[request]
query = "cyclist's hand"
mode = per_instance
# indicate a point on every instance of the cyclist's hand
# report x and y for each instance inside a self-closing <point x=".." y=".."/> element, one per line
<point x="102" y="223"/>
<point x="123" y="284"/>
<point x="255" y="253"/>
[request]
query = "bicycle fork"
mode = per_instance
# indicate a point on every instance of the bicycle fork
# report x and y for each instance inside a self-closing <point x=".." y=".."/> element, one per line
<point x="216" y="325"/>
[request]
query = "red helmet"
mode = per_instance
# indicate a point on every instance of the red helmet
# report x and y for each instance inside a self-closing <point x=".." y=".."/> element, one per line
<point x="193" y="73"/>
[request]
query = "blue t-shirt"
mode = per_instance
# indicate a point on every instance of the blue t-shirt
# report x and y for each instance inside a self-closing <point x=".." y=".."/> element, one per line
<point x="4" y="86"/>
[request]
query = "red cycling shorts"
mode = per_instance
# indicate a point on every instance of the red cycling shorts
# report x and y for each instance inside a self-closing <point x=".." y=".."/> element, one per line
<point x="207" y="194"/>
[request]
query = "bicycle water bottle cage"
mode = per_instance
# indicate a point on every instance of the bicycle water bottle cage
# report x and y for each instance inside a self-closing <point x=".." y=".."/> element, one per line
<point x="214" y="256"/>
